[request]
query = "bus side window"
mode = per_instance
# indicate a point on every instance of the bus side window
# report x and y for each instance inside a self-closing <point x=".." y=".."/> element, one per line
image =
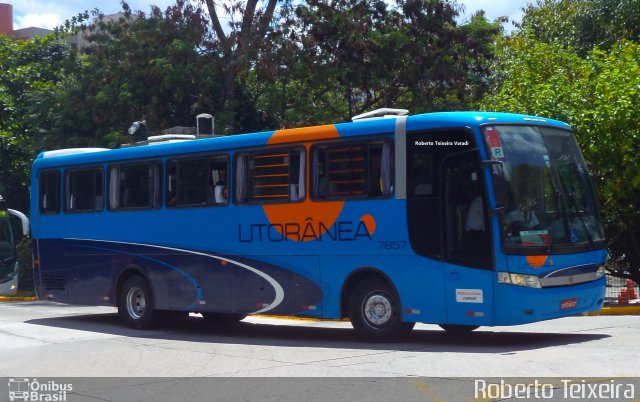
<point x="84" y="190"/>
<point x="340" y="170"/>
<point x="134" y="186"/>
<point x="191" y="178"/>
<point x="49" y="192"/>
<point x="271" y="176"/>
<point x="352" y="170"/>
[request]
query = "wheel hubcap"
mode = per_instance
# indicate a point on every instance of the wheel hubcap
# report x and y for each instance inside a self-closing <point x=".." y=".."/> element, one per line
<point x="378" y="310"/>
<point x="135" y="303"/>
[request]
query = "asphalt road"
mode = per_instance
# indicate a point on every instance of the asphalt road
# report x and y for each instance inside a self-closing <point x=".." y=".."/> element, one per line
<point x="52" y="340"/>
<point x="36" y="338"/>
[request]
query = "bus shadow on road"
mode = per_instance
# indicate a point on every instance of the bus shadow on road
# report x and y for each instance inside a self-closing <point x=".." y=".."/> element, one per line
<point x="196" y="329"/>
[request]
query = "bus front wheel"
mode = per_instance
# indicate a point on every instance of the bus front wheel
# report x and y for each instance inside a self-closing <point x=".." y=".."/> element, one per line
<point x="375" y="312"/>
<point x="135" y="306"/>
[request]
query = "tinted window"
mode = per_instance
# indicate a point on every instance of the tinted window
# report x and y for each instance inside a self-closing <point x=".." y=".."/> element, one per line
<point x="193" y="182"/>
<point x="84" y="190"/>
<point x="134" y="186"/>
<point x="49" y="192"/>
<point x="426" y="206"/>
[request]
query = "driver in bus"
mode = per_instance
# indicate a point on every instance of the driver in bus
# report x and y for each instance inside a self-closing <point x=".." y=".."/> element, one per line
<point x="523" y="217"/>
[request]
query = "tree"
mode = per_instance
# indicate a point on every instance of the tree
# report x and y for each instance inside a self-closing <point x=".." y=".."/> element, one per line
<point x="29" y="69"/>
<point x="343" y="57"/>
<point x="583" y="25"/>
<point x="141" y="66"/>
<point x="240" y="49"/>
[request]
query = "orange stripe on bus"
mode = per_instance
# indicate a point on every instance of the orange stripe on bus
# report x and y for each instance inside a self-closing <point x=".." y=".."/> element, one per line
<point x="304" y="134"/>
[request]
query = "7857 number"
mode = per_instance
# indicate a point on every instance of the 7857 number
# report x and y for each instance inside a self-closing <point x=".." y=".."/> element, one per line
<point x="392" y="244"/>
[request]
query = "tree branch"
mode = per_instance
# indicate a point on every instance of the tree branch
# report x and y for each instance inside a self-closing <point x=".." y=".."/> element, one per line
<point x="266" y="18"/>
<point x="247" y="22"/>
<point x="217" y="27"/>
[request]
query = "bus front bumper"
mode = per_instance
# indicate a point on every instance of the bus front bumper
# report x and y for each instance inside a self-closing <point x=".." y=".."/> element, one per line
<point x="520" y="305"/>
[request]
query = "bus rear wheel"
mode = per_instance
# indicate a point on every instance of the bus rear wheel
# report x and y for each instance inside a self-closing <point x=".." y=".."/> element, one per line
<point x="135" y="304"/>
<point x="458" y="329"/>
<point x="375" y="312"/>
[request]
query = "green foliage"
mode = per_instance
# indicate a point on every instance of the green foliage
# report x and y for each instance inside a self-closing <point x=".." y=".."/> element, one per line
<point x="140" y="67"/>
<point x="29" y="70"/>
<point x="341" y="58"/>
<point x="599" y="96"/>
<point x="583" y="25"/>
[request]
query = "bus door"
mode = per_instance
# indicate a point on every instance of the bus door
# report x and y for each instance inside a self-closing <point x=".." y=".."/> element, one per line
<point x="466" y="240"/>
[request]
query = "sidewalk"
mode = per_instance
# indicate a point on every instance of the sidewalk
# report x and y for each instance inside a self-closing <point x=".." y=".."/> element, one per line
<point x="627" y="309"/>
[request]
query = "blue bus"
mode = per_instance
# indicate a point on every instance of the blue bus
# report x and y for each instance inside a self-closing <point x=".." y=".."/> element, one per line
<point x="461" y="219"/>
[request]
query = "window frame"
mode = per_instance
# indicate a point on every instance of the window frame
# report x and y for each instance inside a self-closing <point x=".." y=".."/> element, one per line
<point x="149" y="163"/>
<point x="367" y="142"/>
<point x="208" y="158"/>
<point x="251" y="152"/>
<point x="67" y="193"/>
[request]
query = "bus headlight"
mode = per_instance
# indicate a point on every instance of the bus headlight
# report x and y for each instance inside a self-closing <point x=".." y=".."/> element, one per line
<point x="601" y="271"/>
<point x="529" y="281"/>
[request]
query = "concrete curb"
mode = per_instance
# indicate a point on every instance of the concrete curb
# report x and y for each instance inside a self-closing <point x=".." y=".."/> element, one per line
<point x="618" y="310"/>
<point x="17" y="298"/>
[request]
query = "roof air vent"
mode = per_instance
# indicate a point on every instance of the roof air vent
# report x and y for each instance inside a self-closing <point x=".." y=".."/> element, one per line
<point x="381" y="114"/>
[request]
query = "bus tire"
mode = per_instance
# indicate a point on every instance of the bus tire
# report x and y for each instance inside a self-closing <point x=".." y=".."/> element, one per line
<point x="375" y="312"/>
<point x="457" y="329"/>
<point x="135" y="304"/>
<point x="223" y="319"/>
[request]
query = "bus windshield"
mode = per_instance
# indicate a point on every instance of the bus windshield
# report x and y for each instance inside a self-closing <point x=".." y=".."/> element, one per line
<point x="551" y="200"/>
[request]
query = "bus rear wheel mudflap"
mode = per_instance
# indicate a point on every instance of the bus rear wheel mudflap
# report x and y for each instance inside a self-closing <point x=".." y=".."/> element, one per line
<point x="135" y="304"/>
<point x="375" y="312"/>
<point x="457" y="329"/>
<point x="223" y="319"/>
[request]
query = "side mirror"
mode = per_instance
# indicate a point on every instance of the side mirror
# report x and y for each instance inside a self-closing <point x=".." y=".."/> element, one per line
<point x="23" y="220"/>
<point x="500" y="186"/>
